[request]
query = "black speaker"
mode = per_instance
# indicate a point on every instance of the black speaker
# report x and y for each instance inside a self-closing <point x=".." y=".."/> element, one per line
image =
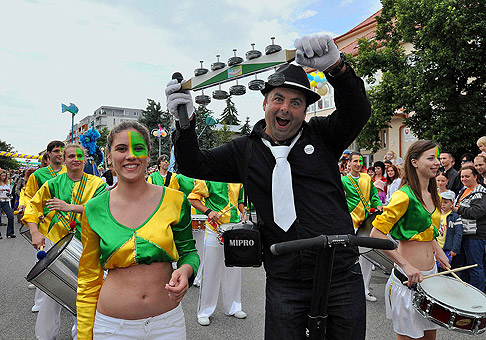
<point x="242" y="246"/>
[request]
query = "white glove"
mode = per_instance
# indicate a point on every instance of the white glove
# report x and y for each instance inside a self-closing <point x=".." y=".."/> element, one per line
<point x="174" y="99"/>
<point x="319" y="52"/>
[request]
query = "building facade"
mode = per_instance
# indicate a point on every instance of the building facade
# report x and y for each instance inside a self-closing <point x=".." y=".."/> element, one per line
<point x="397" y="137"/>
<point x="104" y="116"/>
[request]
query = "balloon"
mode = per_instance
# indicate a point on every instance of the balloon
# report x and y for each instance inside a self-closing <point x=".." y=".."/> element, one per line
<point x="163" y="134"/>
<point x="320" y="85"/>
<point x="317" y="78"/>
<point x="321" y="74"/>
<point x="313" y="83"/>
<point x="313" y="74"/>
<point x="155" y="133"/>
<point x="311" y="77"/>
<point x="323" y="90"/>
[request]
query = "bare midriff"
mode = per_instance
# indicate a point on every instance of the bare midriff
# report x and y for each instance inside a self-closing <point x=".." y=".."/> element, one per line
<point x="419" y="254"/>
<point x="136" y="292"/>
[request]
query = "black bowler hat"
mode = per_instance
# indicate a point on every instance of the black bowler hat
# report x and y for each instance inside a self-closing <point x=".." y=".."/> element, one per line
<point x="293" y="77"/>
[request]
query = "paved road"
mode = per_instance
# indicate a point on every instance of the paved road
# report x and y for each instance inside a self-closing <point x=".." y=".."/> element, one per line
<point x="17" y="321"/>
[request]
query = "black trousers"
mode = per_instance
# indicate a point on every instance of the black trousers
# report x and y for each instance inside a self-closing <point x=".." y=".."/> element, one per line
<point x="288" y="304"/>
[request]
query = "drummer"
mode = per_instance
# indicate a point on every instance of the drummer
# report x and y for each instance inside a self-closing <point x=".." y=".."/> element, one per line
<point x="61" y="200"/>
<point x="362" y="198"/>
<point x="135" y="231"/>
<point x="413" y="218"/>
<point x="223" y="203"/>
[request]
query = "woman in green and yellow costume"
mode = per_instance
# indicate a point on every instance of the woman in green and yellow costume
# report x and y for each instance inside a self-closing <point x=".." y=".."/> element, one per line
<point x="412" y="217"/>
<point x="135" y="231"/>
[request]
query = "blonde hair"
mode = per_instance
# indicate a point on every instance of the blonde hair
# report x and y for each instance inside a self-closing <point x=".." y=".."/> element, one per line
<point x="73" y="145"/>
<point x="481" y="141"/>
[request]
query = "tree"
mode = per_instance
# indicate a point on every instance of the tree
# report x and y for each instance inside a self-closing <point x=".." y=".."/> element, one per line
<point x="7" y="162"/>
<point x="230" y="114"/>
<point x="441" y="86"/>
<point x="151" y="117"/>
<point x="245" y="130"/>
<point x="207" y="139"/>
<point x="104" y="132"/>
<point x="223" y="136"/>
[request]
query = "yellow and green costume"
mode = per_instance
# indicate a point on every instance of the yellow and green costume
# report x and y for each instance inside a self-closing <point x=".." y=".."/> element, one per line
<point x="35" y="181"/>
<point x="405" y="218"/>
<point x="219" y="197"/>
<point x="157" y="179"/>
<point x="72" y="192"/>
<point x="166" y="236"/>
<point x="361" y="195"/>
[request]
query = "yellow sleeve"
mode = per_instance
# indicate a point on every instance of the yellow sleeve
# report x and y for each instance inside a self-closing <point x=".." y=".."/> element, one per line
<point x="90" y="279"/>
<point x="35" y="207"/>
<point x="31" y="188"/>
<point x="392" y="212"/>
<point x="149" y="180"/>
<point x="22" y="199"/>
<point x="199" y="192"/>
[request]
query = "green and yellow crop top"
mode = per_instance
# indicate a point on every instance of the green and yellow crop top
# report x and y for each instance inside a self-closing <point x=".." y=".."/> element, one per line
<point x="405" y="218"/>
<point x="166" y="236"/>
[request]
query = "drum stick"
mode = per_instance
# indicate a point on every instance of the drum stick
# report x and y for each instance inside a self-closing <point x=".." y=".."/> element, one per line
<point x="447" y="272"/>
<point x="224" y="212"/>
<point x="457" y="277"/>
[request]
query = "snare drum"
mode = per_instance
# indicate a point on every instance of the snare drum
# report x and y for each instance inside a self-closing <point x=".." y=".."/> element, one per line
<point x="199" y="222"/>
<point x="449" y="303"/>
<point x="57" y="273"/>
<point x="375" y="256"/>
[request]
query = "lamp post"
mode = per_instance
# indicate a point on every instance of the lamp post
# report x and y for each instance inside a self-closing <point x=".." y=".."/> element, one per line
<point x="159" y="133"/>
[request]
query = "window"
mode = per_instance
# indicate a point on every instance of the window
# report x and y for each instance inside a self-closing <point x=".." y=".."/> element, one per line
<point x="135" y="113"/>
<point x="113" y="113"/>
<point x="126" y="113"/>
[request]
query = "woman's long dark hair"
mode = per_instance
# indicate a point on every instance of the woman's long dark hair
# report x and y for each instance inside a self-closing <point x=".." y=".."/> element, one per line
<point x="410" y="176"/>
<point x="389" y="180"/>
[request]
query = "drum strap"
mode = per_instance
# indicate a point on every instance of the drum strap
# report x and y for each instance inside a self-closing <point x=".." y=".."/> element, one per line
<point x="400" y="276"/>
<point x="71" y="216"/>
<point x="167" y="178"/>
<point x="360" y="193"/>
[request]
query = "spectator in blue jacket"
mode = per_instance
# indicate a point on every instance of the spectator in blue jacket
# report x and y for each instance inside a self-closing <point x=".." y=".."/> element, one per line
<point x="450" y="237"/>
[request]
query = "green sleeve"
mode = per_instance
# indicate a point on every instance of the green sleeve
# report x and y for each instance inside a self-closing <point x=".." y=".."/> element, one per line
<point x="374" y="198"/>
<point x="241" y="196"/>
<point x="183" y="240"/>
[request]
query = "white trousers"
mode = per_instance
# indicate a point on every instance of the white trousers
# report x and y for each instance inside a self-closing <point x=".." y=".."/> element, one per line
<point x="49" y="317"/>
<point x="168" y="326"/>
<point x="38" y="293"/>
<point x="366" y="267"/>
<point x="216" y="275"/>
<point x="198" y="236"/>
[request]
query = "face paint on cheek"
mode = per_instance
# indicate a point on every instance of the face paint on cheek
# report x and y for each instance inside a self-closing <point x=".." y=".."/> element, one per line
<point x="361" y="160"/>
<point x="136" y="145"/>
<point x="79" y="155"/>
<point x="437" y="153"/>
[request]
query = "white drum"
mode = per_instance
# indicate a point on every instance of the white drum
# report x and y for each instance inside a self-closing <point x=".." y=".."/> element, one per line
<point x="449" y="303"/>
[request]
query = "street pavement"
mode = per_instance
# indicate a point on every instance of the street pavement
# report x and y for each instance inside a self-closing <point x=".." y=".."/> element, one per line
<point x="17" y="322"/>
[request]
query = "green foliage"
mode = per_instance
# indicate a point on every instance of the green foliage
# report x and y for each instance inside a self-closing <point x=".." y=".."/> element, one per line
<point x="230" y="114"/>
<point x="151" y="117"/>
<point x="441" y="87"/>
<point x="207" y="139"/>
<point x="7" y="162"/>
<point x="223" y="136"/>
<point x="246" y="128"/>
<point x="104" y="132"/>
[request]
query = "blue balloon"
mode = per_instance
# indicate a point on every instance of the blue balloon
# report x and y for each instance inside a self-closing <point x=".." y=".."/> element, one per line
<point x="317" y="79"/>
<point x="310" y="76"/>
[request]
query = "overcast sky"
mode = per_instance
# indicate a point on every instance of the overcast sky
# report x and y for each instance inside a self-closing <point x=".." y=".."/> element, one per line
<point x="121" y="52"/>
